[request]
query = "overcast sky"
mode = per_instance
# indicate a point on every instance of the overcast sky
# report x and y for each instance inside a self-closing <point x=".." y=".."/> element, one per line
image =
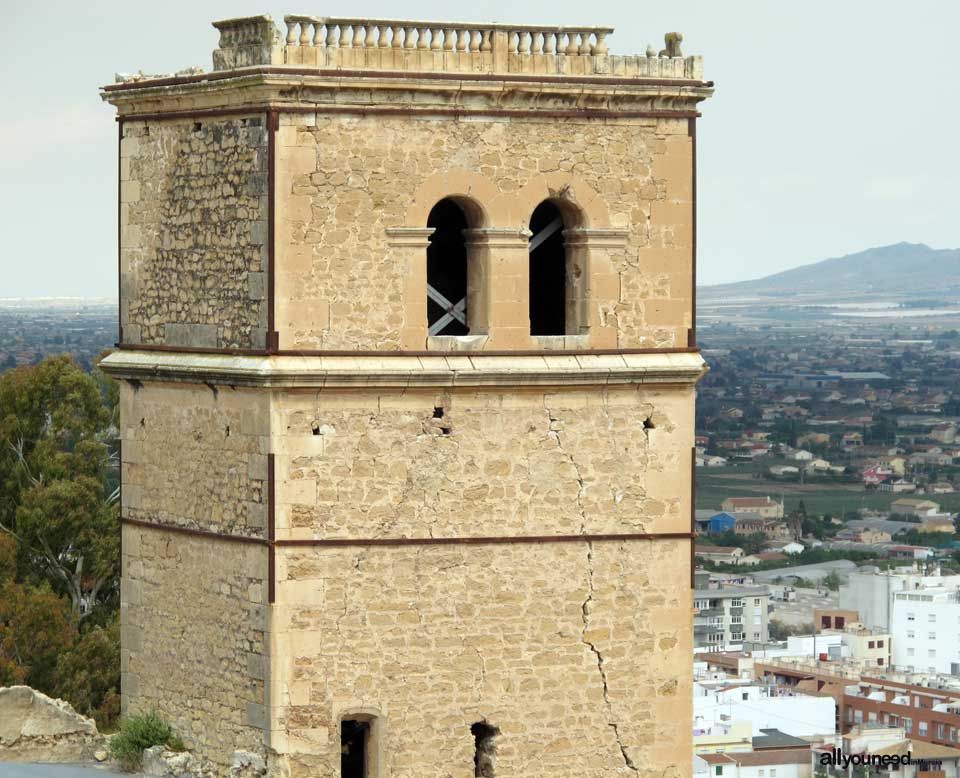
<point x="834" y="126"/>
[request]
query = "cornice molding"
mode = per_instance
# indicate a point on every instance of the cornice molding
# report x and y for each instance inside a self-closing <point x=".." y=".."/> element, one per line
<point x="469" y="370"/>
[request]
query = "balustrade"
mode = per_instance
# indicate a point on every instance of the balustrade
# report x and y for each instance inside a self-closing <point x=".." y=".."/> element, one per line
<point x="396" y="44"/>
<point x="329" y="32"/>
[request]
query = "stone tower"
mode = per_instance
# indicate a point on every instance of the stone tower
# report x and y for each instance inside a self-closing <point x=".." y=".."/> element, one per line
<point x="408" y="362"/>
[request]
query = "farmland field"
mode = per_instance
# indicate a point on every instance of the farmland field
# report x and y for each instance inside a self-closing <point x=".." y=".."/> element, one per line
<point x="715" y="484"/>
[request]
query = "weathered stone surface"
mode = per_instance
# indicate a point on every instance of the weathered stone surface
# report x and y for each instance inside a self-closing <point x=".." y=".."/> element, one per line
<point x="247" y="765"/>
<point x="193" y="215"/>
<point x="37" y="728"/>
<point x="159" y="762"/>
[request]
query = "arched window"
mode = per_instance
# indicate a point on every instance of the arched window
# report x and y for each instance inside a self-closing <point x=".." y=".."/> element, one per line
<point x="447" y="270"/>
<point x="548" y="289"/>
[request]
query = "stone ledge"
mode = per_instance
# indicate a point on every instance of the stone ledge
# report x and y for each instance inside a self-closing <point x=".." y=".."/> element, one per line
<point x="407" y="370"/>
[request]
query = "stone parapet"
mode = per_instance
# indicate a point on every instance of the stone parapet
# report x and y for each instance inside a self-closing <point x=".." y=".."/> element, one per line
<point x="429" y="46"/>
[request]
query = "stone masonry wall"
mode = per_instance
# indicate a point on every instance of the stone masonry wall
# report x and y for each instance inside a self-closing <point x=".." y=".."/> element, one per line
<point x="483" y="462"/>
<point x="194" y="627"/>
<point x="193" y="232"/>
<point x="193" y="610"/>
<point x="577" y="653"/>
<point x="344" y="181"/>
<point x="573" y="650"/>
<point x="196" y="457"/>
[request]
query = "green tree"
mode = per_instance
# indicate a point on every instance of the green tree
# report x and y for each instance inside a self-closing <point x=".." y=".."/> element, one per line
<point x="88" y="677"/>
<point x="832" y="581"/>
<point x="35" y="629"/>
<point x="54" y="460"/>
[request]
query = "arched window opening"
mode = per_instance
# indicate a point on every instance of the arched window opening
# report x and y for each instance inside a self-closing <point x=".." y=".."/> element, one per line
<point x="548" y="289"/>
<point x="447" y="270"/>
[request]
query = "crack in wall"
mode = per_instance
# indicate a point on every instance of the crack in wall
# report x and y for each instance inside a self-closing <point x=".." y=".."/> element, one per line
<point x="554" y="428"/>
<point x="585" y="609"/>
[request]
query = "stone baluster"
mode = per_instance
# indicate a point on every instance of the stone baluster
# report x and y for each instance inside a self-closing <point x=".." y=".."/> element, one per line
<point x="291" y="33"/>
<point x="435" y="39"/>
<point x="585" y="46"/>
<point x="345" y="36"/>
<point x="331" y="35"/>
<point x="397" y="40"/>
<point x="359" y="35"/>
<point x="449" y="38"/>
<point x="486" y="44"/>
<point x="422" y="38"/>
<point x="383" y="40"/>
<point x="549" y="42"/>
<point x="524" y="45"/>
<point x="514" y="42"/>
<point x="536" y="45"/>
<point x="475" y="41"/>
<point x="408" y="37"/>
<point x="370" y="42"/>
<point x="318" y="36"/>
<point x="462" y="40"/>
<point x="305" y="33"/>
<point x="601" y="47"/>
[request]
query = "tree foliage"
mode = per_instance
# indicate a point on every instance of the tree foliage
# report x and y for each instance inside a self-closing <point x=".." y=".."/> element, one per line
<point x="35" y="628"/>
<point x="54" y="459"/>
<point x="60" y="535"/>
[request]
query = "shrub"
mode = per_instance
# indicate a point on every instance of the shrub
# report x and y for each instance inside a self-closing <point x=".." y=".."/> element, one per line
<point x="137" y="734"/>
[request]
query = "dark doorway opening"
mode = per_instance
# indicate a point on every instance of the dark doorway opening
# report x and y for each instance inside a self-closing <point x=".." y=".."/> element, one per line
<point x="354" y="740"/>
<point x="447" y="270"/>
<point x="485" y="749"/>
<point x="548" y="289"/>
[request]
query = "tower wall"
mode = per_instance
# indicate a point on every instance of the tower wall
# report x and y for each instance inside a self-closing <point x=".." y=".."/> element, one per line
<point x="331" y="514"/>
<point x="194" y="610"/>
<point x="345" y="184"/>
<point x="193" y="240"/>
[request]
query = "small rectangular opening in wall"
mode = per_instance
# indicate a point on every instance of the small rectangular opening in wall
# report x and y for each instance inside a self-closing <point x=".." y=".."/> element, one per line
<point x="354" y="745"/>
<point x="485" y="749"/>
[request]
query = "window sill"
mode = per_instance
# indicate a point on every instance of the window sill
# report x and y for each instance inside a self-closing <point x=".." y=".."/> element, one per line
<point x="561" y="342"/>
<point x="456" y="342"/>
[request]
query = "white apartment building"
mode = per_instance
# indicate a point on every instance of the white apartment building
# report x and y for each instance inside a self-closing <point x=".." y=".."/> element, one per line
<point x="788" y="763"/>
<point x="925" y="624"/>
<point x="731" y="615"/>
<point x="765" y="707"/>
<point x="870" y="592"/>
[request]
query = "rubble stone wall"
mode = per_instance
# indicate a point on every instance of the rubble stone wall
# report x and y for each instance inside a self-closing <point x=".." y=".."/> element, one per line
<point x="196" y="456"/>
<point x="344" y="182"/>
<point x="573" y="651"/>
<point x="194" y="627"/>
<point x="482" y="462"/>
<point x="193" y="216"/>
<point x="570" y="649"/>
<point x="194" y="614"/>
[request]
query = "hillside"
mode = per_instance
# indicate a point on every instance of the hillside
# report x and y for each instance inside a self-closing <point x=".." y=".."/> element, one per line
<point x="903" y="270"/>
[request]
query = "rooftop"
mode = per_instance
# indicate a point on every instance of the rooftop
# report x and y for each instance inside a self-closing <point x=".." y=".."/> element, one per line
<point x="425" y="46"/>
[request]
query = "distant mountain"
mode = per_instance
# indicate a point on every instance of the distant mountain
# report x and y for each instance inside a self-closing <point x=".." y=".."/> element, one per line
<point x="903" y="269"/>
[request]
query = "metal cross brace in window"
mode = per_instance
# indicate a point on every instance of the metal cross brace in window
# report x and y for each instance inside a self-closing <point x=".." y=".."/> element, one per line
<point x="545" y="233"/>
<point x="458" y="311"/>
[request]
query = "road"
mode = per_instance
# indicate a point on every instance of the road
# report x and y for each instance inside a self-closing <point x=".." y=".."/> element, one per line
<point x="14" y="770"/>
